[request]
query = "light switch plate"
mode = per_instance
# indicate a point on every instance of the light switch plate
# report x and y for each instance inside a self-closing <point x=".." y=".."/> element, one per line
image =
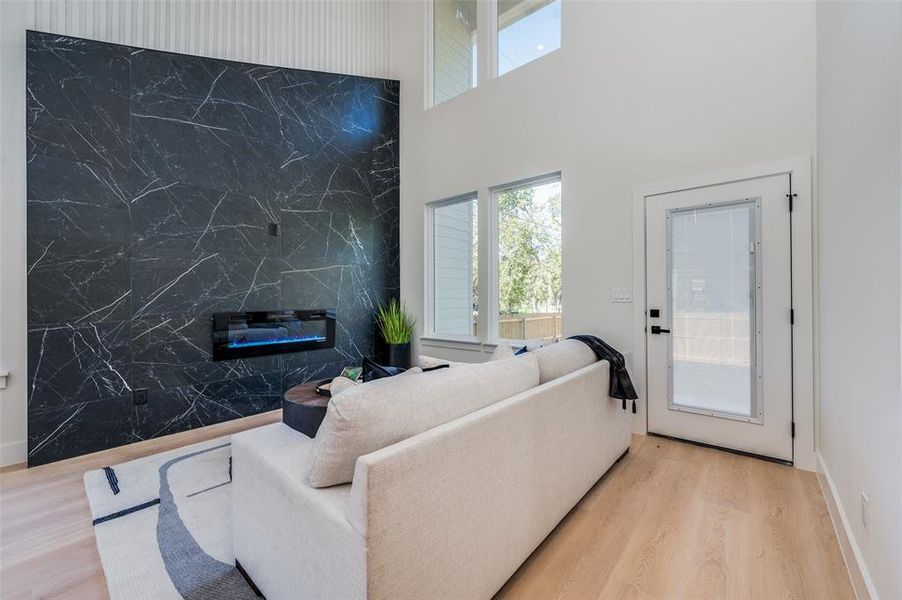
<point x="622" y="295"/>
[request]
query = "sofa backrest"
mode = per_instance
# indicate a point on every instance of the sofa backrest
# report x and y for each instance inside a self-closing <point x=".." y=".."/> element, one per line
<point x="382" y="412"/>
<point x="452" y="512"/>
<point x="566" y="356"/>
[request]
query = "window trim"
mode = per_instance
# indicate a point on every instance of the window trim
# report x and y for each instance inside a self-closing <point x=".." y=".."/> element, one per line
<point x="491" y="41"/>
<point x="493" y="290"/>
<point x="429" y="273"/>
<point x="429" y="66"/>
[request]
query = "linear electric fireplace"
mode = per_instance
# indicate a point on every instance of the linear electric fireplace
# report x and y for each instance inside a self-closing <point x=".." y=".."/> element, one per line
<point x="243" y="334"/>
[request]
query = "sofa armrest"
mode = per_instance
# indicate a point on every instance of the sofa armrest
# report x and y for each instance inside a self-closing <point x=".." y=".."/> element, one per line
<point x="293" y="540"/>
<point x="454" y="511"/>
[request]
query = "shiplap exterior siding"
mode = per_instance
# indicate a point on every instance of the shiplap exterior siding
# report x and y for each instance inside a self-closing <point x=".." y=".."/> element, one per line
<point x="453" y="271"/>
<point x="339" y="36"/>
<point x="452" y="52"/>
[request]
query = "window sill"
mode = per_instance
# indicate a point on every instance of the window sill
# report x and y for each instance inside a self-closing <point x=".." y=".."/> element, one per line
<point x="472" y="344"/>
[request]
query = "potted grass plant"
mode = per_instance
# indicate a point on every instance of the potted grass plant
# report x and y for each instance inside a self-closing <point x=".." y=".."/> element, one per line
<point x="396" y="328"/>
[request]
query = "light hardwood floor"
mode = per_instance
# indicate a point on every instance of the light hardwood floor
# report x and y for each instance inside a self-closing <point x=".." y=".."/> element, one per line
<point x="671" y="520"/>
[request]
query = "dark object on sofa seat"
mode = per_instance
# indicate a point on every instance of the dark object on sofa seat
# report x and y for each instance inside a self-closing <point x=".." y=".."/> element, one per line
<point x="373" y="370"/>
<point x="621" y="385"/>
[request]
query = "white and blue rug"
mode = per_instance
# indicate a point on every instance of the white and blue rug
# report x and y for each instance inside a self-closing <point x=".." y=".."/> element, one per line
<point x="163" y="525"/>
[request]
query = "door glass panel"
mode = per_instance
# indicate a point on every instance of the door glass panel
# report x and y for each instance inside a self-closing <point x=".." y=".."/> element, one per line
<point x="711" y="296"/>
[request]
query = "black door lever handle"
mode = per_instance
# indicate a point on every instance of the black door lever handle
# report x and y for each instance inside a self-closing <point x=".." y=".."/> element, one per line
<point x="655" y="329"/>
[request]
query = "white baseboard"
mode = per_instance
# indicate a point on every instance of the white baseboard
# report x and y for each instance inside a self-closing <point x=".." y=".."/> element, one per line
<point x="13" y="453"/>
<point x="858" y="572"/>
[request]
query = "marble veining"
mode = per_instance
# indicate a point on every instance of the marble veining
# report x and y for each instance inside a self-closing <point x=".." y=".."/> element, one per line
<point x="155" y="181"/>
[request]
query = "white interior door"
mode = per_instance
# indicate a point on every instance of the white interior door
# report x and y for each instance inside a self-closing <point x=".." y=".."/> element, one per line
<point x="718" y="319"/>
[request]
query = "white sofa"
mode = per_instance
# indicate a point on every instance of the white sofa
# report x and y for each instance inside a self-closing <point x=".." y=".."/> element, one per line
<point x="450" y="512"/>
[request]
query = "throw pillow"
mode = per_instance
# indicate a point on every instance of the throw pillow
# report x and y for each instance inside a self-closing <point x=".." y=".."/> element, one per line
<point x="340" y="384"/>
<point x="502" y="350"/>
<point x="429" y="362"/>
<point x="381" y="413"/>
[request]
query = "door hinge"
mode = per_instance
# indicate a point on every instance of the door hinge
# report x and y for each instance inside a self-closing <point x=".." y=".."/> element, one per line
<point x="792" y="429"/>
<point x="792" y="316"/>
<point x="791" y="196"/>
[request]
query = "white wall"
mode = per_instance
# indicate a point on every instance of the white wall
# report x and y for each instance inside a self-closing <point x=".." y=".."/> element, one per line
<point x="343" y="36"/>
<point x="859" y="91"/>
<point x="638" y="93"/>
<point x="12" y="230"/>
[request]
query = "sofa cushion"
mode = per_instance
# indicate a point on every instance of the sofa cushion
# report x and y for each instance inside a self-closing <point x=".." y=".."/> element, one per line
<point x="566" y="356"/>
<point x="382" y="412"/>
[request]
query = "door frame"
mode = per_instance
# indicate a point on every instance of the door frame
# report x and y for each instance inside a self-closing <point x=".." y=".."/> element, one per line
<point x="803" y="290"/>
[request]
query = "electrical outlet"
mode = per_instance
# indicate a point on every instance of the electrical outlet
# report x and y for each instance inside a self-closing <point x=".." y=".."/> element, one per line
<point x="622" y="295"/>
<point x="865" y="511"/>
<point x="139" y="396"/>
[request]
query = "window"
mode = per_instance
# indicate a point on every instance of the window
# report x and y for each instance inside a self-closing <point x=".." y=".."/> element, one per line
<point x="453" y="48"/>
<point x="454" y="236"/>
<point x="527" y="29"/>
<point x="529" y="260"/>
<point x="521" y="285"/>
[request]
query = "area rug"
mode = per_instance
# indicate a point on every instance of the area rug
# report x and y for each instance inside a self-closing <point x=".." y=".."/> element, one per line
<point x="163" y="525"/>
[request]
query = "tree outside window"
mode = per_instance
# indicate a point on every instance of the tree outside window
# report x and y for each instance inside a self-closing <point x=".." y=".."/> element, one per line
<point x="529" y="261"/>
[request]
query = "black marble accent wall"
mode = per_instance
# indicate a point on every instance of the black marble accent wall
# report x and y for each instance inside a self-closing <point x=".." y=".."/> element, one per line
<point x="153" y="179"/>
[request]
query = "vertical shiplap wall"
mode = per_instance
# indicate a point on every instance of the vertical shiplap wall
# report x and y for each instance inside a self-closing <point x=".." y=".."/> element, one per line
<point x="340" y="36"/>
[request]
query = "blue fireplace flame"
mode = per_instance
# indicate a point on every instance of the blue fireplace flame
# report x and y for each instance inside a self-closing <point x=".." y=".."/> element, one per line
<point x="274" y="341"/>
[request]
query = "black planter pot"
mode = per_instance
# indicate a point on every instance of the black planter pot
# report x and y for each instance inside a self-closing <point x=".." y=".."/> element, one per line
<point x="398" y="355"/>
